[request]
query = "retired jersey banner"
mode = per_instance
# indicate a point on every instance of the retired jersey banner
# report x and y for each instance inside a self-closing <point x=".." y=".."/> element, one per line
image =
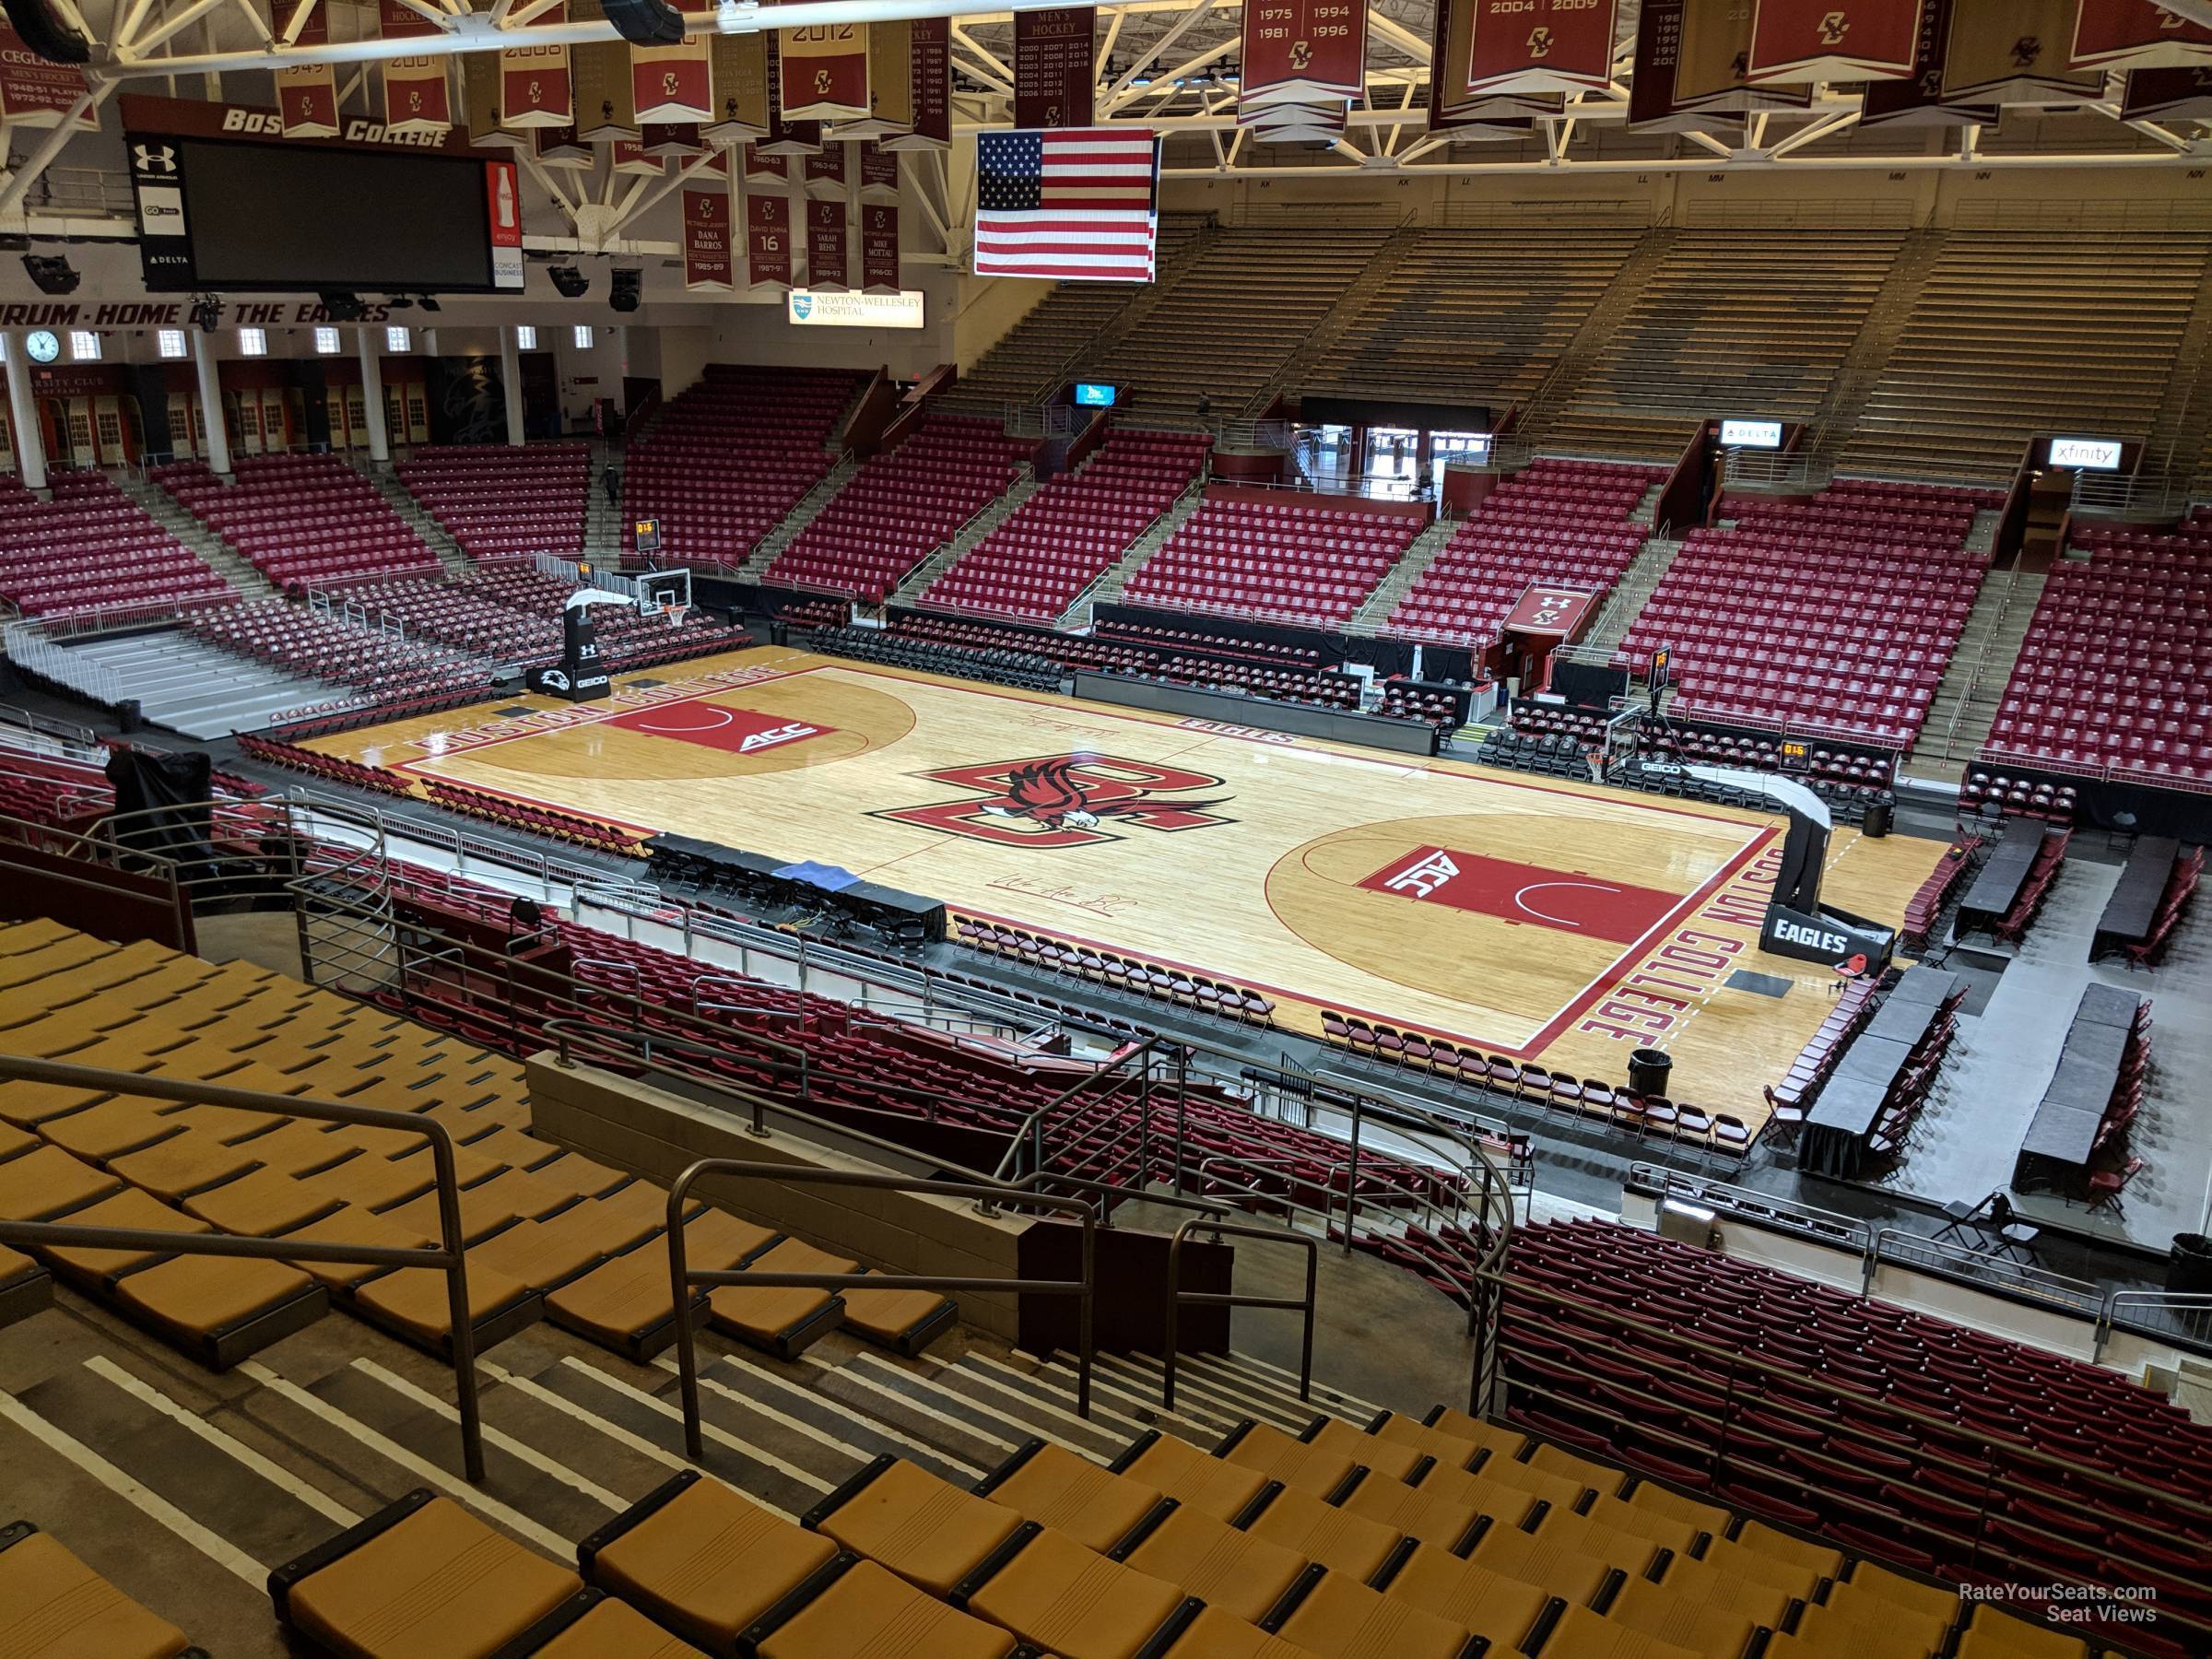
<point x="37" y="93"/>
<point x="599" y="70"/>
<point x="1522" y="46"/>
<point x="560" y="147"/>
<point x="1303" y="50"/>
<point x="416" y="96"/>
<point x="767" y="239"/>
<point x="672" y="84"/>
<point x="929" y="63"/>
<point x="307" y="94"/>
<point x="879" y="247"/>
<point x="826" y="245"/>
<point x="631" y="161"/>
<point x="879" y="173"/>
<point x="2168" y="95"/>
<point x="824" y="173"/>
<point x="1052" y="66"/>
<point x="662" y="142"/>
<point x="534" y="85"/>
<point x="890" y="85"/>
<point x="759" y="164"/>
<point x="2014" y="52"/>
<point x="739" y="67"/>
<point x="709" y="261"/>
<point x="1833" y="40"/>
<point x="2135" y="34"/>
<point x="825" y="73"/>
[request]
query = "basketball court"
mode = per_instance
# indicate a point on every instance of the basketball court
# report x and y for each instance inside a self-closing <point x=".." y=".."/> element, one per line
<point x="1529" y="917"/>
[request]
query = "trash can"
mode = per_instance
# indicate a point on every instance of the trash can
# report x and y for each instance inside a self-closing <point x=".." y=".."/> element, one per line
<point x="1648" y="1070"/>
<point x="1881" y="812"/>
<point x="129" y="715"/>
<point x="2189" y="1264"/>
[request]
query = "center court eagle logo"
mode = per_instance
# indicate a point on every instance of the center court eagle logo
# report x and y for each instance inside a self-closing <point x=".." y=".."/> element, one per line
<point x="1073" y="800"/>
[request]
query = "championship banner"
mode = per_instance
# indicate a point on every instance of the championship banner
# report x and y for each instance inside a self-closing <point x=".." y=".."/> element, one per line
<point x="417" y="96"/>
<point x="2167" y="94"/>
<point x="662" y="142"/>
<point x="1918" y="99"/>
<point x="1545" y="46"/>
<point x="560" y="147"/>
<point x="1052" y="66"/>
<point x="879" y="248"/>
<point x="879" y="173"/>
<point x="1715" y="55"/>
<point x="767" y="239"/>
<point x="534" y="85"/>
<point x="631" y="161"/>
<point x="2135" y="34"/>
<point x="307" y="94"/>
<point x="785" y="137"/>
<point x="738" y="65"/>
<point x="825" y="72"/>
<point x="759" y="164"/>
<point x="930" y="68"/>
<point x="606" y="112"/>
<point x="825" y="174"/>
<point x="890" y="85"/>
<point x="480" y="104"/>
<point x="2014" y="52"/>
<point x="1303" y="50"/>
<point x="35" y="93"/>
<point x="672" y="83"/>
<point x="708" y="267"/>
<point x="826" y="245"/>
<point x="1819" y="40"/>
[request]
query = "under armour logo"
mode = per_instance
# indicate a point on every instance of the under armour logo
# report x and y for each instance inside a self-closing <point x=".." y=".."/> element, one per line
<point x="153" y="158"/>
<point x="1539" y="42"/>
<point x="2026" y="50"/>
<point x="1834" y="28"/>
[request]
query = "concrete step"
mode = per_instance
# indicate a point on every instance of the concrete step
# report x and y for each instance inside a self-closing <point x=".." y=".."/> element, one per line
<point x="968" y="537"/>
<point x="801" y="515"/>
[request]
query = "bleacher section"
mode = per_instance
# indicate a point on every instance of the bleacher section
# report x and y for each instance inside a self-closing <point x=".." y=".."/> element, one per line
<point x="898" y="506"/>
<point x="1836" y="613"/>
<point x="1730" y="319"/>
<point x="1474" y="317"/>
<point x="1062" y="538"/>
<point x="1302" y="559"/>
<point x="728" y="457"/>
<point x="2117" y="670"/>
<point x="1220" y="331"/>
<point x="2021" y="331"/>
<point x="302" y="519"/>
<point x="312" y="646"/>
<point x="92" y="548"/>
<point x="513" y="616"/>
<point x="1564" y="522"/>
<point x="497" y="501"/>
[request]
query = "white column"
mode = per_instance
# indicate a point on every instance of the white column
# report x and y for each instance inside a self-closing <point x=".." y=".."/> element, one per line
<point x="511" y="382"/>
<point x="30" y="444"/>
<point x="366" y="343"/>
<point x="211" y="402"/>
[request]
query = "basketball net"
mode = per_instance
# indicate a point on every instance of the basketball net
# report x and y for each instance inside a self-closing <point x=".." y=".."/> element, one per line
<point x="675" y="614"/>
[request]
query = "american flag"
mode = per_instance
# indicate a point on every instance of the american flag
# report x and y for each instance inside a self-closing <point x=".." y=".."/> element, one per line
<point x="1067" y="202"/>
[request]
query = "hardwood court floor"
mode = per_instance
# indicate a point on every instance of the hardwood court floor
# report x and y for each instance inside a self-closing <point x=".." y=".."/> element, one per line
<point x="1531" y="917"/>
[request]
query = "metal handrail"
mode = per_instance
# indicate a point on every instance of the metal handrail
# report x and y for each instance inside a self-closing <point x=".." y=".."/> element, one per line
<point x="447" y="1255"/>
<point x="1177" y="1295"/>
<point x="682" y="1276"/>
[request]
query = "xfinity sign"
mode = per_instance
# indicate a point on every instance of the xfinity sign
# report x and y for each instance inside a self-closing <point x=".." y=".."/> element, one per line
<point x="839" y="308"/>
<point x="2085" y="455"/>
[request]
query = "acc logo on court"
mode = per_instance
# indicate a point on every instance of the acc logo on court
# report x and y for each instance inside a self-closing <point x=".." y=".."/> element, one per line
<point x="1065" y="800"/>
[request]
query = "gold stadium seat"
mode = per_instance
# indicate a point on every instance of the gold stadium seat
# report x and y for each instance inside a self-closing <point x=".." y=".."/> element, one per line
<point x="1337" y="1538"/>
<point x="261" y="1203"/>
<point x="1279" y="1456"/>
<point x="182" y="1165"/>
<point x="1054" y="1486"/>
<point x="613" y="1629"/>
<point x="1432" y="1517"/>
<point x="421" y="1579"/>
<point x="1224" y="1490"/>
<point x="927" y="1531"/>
<point x="1869" y="1580"/>
<point x="1499" y="1440"/>
<point x="1700" y="1581"/>
<point x="299" y="1147"/>
<point x="1215" y="1634"/>
<point x="702" y="1560"/>
<point x="374" y="1181"/>
<point x="1073" y="1602"/>
<point x="1855" y="1605"/>
<point x="865" y="1610"/>
<point x="625" y="1303"/>
<point x="92" y="1268"/>
<point x="1339" y="1617"/>
<point x="1211" y="1559"/>
<point x="1392" y="1460"/>
<point x="116" y="1125"/>
<point x="1764" y="1556"/>
<point x="1533" y="1559"/>
<point x="415" y="1305"/>
<point x="1581" y="1634"/>
<point x="53" y="1606"/>
<point x="46" y="1184"/>
<point x="1993" y="1633"/>
<point x="14" y="1142"/>
<point x="25" y="1287"/>
<point x="220" y="1308"/>
<point x="906" y="1321"/>
<point x="352" y="1225"/>
<point x="1698" y="1625"/>
<point x="782" y="1319"/>
<point x="1664" y="1500"/>
<point x="1467" y="1594"/>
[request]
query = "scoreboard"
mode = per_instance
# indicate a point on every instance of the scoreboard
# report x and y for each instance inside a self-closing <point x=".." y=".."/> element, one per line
<point x="225" y="200"/>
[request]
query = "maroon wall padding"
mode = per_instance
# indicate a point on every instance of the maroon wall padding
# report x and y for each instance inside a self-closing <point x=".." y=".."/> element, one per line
<point x="1129" y="1307"/>
<point x="107" y="903"/>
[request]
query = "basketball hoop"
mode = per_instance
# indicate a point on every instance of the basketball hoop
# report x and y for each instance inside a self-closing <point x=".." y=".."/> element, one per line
<point x="675" y="613"/>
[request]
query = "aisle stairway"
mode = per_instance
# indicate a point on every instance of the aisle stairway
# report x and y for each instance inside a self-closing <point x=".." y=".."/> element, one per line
<point x="1973" y="684"/>
<point x="212" y="549"/>
<point x="433" y="534"/>
<point x="802" y="514"/>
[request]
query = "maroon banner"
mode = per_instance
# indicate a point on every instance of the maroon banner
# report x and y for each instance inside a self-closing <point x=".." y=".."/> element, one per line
<point x="1301" y="50"/>
<point x="879" y="173"/>
<point x="879" y="248"/>
<point x="631" y="161"/>
<point x="759" y="164"/>
<point x="930" y="44"/>
<point x="1052" y="66"/>
<point x="1542" y="46"/>
<point x="767" y="239"/>
<point x="824" y="173"/>
<point x="663" y="141"/>
<point x="826" y="245"/>
<point x="36" y="93"/>
<point x="1814" y="40"/>
<point x="2135" y="34"/>
<point x="534" y="85"/>
<point x="708" y="264"/>
<point x="307" y="94"/>
<point x="417" y="96"/>
<point x="672" y="83"/>
<point x="1918" y="100"/>
<point x="825" y="72"/>
<point x="2167" y="94"/>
